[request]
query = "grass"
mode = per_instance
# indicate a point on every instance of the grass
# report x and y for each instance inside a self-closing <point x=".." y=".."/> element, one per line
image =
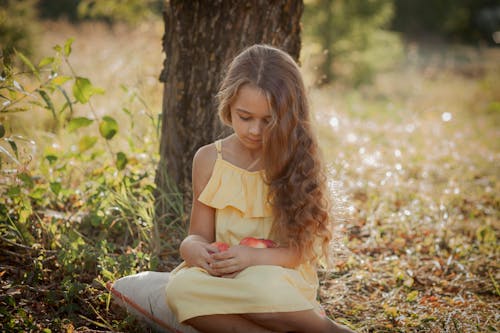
<point x="413" y="159"/>
<point x="416" y="155"/>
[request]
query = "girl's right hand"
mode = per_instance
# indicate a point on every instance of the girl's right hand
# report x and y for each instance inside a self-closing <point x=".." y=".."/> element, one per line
<point x="198" y="253"/>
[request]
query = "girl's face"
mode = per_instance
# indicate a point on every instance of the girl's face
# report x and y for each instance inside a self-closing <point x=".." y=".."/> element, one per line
<point x="250" y="114"/>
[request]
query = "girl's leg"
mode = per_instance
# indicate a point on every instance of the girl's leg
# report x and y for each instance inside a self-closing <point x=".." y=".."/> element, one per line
<point x="225" y="324"/>
<point x="308" y="321"/>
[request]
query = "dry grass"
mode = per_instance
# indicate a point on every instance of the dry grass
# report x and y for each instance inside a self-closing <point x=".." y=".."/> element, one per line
<point x="112" y="57"/>
<point x="415" y="156"/>
<point x="125" y="62"/>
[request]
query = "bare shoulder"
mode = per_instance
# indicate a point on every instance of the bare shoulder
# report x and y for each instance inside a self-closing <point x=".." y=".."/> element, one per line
<point x="203" y="164"/>
<point x="205" y="155"/>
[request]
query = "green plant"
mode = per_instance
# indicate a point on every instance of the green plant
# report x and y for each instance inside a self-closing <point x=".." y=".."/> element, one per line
<point x="75" y="227"/>
<point x="17" y="26"/>
<point x="130" y="11"/>
<point x="349" y="40"/>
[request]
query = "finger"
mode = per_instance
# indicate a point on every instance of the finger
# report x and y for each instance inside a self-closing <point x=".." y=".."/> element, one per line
<point x="230" y="276"/>
<point x="213" y="273"/>
<point x="227" y="269"/>
<point x="212" y="248"/>
<point x="209" y="259"/>
<point x="222" y="264"/>
<point x="210" y="270"/>
<point x="222" y="255"/>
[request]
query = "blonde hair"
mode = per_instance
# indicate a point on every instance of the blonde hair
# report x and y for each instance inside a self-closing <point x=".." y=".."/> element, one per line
<point x="292" y="165"/>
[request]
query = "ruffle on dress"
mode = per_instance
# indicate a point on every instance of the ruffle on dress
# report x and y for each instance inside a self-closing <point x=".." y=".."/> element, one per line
<point x="232" y="186"/>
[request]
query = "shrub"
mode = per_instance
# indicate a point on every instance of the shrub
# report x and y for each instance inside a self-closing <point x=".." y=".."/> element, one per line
<point x="17" y="26"/>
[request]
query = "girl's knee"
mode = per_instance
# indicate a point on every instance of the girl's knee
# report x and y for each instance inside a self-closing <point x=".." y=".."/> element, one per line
<point x="274" y="321"/>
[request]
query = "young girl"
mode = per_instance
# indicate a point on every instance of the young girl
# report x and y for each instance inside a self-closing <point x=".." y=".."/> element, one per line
<point x="264" y="181"/>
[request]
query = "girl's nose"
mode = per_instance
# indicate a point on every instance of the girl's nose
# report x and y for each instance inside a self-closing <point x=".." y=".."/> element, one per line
<point x="255" y="128"/>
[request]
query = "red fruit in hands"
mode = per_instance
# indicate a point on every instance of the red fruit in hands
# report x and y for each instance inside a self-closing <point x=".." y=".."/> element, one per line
<point x="259" y="243"/>
<point x="221" y="246"/>
<point x="270" y="243"/>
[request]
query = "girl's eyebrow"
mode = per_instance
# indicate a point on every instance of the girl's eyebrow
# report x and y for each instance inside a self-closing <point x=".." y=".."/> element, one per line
<point x="243" y="110"/>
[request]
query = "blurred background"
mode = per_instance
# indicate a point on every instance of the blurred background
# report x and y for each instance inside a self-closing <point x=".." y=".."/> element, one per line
<point x="348" y="40"/>
<point x="406" y="98"/>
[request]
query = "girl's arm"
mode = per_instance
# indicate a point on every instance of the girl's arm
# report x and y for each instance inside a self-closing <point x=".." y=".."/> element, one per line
<point x="281" y="256"/>
<point x="195" y="248"/>
<point x="237" y="258"/>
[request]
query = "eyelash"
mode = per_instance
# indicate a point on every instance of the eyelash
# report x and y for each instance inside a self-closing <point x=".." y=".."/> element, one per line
<point x="248" y="119"/>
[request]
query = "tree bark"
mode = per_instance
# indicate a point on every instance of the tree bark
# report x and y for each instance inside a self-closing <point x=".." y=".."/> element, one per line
<point x="201" y="38"/>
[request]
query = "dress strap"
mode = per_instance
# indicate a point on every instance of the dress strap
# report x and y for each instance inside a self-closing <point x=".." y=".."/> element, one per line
<point x="218" y="146"/>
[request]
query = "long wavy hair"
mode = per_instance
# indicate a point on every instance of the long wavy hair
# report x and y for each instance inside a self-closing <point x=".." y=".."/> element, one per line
<point x="293" y="168"/>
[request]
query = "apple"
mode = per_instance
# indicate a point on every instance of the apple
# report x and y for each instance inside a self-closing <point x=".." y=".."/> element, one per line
<point x="221" y="246"/>
<point x="260" y="243"/>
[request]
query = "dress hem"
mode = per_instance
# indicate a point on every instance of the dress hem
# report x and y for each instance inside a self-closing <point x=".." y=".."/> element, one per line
<point x="283" y="308"/>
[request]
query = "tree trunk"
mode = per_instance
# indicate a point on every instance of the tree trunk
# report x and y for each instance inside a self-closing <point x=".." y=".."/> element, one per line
<point x="201" y="38"/>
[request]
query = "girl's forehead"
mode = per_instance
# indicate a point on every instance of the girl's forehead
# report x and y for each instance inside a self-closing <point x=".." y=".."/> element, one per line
<point x="249" y="89"/>
<point x="252" y="99"/>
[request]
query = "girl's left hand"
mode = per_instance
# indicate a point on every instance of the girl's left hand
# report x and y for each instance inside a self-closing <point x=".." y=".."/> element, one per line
<point x="229" y="263"/>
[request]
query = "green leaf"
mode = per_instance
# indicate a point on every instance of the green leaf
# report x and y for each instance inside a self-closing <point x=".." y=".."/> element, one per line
<point x="493" y="107"/>
<point x="26" y="179"/>
<point x="486" y="234"/>
<point x="390" y="311"/>
<point x="411" y="297"/>
<point x="108" y="275"/>
<point x="28" y="63"/>
<point x="9" y="155"/>
<point x="108" y="127"/>
<point x="68" y="101"/>
<point x="13" y="146"/>
<point x="48" y="102"/>
<point x="127" y="111"/>
<point x="38" y="193"/>
<point x="83" y="90"/>
<point x="2" y="131"/>
<point x="67" y="46"/>
<point x="60" y="80"/>
<point x="13" y="191"/>
<point x="25" y="211"/>
<point x="46" y="61"/>
<point x="64" y="107"/>
<point x="51" y="158"/>
<point x="86" y="143"/>
<point x="14" y="109"/>
<point x="55" y="187"/>
<point x="121" y="160"/>
<point x="79" y="122"/>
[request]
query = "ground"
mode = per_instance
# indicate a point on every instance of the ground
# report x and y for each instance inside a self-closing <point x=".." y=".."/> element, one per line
<point x="413" y="166"/>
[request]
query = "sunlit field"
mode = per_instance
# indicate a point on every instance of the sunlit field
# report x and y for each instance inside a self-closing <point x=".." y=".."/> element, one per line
<point x="125" y="62"/>
<point x="416" y="155"/>
<point x="413" y="160"/>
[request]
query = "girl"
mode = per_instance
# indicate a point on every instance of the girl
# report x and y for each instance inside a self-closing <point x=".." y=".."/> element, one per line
<point x="265" y="181"/>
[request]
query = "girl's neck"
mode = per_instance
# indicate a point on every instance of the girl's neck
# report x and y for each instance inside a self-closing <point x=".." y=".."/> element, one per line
<point x="241" y="155"/>
<point x="252" y="154"/>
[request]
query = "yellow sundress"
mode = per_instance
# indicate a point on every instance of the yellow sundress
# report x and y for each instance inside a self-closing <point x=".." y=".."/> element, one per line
<point x="240" y="199"/>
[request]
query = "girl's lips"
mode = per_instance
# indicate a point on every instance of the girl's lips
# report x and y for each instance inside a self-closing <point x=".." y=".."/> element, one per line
<point x="254" y="140"/>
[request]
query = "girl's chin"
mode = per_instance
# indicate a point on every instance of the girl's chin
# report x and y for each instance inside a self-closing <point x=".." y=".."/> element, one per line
<point x="253" y="144"/>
